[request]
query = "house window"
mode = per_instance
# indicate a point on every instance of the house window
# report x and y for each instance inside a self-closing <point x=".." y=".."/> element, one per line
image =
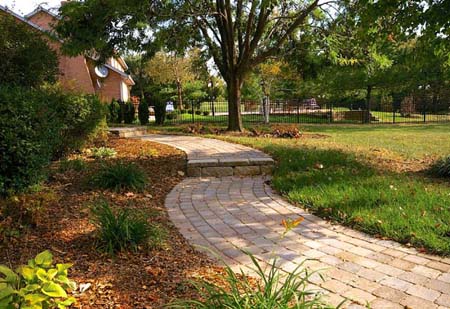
<point x="124" y="92"/>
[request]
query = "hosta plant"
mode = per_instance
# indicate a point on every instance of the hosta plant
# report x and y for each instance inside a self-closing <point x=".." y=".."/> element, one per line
<point x="103" y="152"/>
<point x="39" y="284"/>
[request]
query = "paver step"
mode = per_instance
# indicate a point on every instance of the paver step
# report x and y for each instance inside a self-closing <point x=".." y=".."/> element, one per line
<point x="125" y="132"/>
<point x="215" y="158"/>
<point x="229" y="167"/>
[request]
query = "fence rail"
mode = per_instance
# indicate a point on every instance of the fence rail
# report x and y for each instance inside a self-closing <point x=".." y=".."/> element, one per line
<point x="382" y="110"/>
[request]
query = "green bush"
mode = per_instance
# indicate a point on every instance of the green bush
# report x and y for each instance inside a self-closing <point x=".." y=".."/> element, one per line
<point x="198" y="112"/>
<point x="36" y="285"/>
<point x="205" y="113"/>
<point x="273" y="290"/>
<point x="143" y="112"/>
<point x="38" y="125"/>
<point x="120" y="176"/>
<point x="171" y="116"/>
<point x="190" y="112"/>
<point x="114" y="112"/>
<point x="103" y="152"/>
<point x="129" y="113"/>
<point x="441" y="168"/>
<point x="80" y="117"/>
<point x="122" y="230"/>
<point x="160" y="109"/>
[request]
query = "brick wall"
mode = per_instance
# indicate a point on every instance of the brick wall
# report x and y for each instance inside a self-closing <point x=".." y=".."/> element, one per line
<point x="73" y="71"/>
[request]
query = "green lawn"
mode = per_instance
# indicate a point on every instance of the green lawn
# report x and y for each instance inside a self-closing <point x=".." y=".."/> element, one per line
<point x="355" y="188"/>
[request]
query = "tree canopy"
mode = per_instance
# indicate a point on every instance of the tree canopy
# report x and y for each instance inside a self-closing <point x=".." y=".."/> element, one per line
<point x="365" y="38"/>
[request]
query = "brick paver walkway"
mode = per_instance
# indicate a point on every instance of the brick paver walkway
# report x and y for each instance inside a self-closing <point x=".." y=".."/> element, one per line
<point x="214" y="158"/>
<point x="228" y="214"/>
<point x="198" y="148"/>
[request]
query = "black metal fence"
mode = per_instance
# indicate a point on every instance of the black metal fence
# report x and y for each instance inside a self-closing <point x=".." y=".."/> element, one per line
<point x="382" y="109"/>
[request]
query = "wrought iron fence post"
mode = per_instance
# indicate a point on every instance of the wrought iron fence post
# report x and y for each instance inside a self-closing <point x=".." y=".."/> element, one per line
<point x="393" y="111"/>
<point x="424" y="111"/>
<point x="266" y="109"/>
<point x="298" y="111"/>
<point x="193" y="113"/>
<point x="331" y="113"/>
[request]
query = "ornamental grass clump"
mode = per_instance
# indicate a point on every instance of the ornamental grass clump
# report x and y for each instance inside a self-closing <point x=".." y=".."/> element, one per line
<point x="272" y="289"/>
<point x="120" y="176"/>
<point x="123" y="230"/>
<point x="77" y="165"/>
<point x="441" y="168"/>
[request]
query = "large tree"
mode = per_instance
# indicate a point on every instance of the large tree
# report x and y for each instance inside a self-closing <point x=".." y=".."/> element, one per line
<point x="238" y="35"/>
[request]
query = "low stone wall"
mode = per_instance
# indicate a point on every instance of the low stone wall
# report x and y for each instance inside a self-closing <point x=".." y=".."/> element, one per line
<point x="128" y="131"/>
<point x="352" y="115"/>
<point x="229" y="167"/>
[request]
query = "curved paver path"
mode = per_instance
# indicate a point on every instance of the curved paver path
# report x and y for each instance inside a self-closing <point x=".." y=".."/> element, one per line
<point x="199" y="148"/>
<point x="228" y="214"/>
<point x="213" y="158"/>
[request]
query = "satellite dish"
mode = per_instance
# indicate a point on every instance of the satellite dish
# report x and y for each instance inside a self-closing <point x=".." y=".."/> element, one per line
<point x="101" y="71"/>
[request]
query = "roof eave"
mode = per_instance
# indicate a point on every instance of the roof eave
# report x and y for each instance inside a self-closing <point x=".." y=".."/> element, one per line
<point x="41" y="9"/>
<point x="5" y="9"/>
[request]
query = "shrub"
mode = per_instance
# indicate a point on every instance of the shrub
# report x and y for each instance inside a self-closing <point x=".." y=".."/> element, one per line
<point x="81" y="118"/>
<point x="441" y="168"/>
<point x="39" y="125"/>
<point x="27" y="59"/>
<point x="120" y="176"/>
<point x="122" y="230"/>
<point x="77" y="165"/>
<point x="271" y="290"/>
<point x="143" y="112"/>
<point x="198" y="112"/>
<point x="160" y="109"/>
<point x="286" y="131"/>
<point x="129" y="113"/>
<point x="205" y="113"/>
<point x="171" y="116"/>
<point x="190" y="112"/>
<point x="183" y="111"/>
<point x="103" y="152"/>
<point x="27" y="209"/>
<point x="36" y="285"/>
<point x="115" y="114"/>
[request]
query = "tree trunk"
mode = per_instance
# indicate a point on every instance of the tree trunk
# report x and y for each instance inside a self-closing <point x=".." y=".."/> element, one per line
<point x="180" y="95"/>
<point x="234" y="84"/>
<point x="368" y="98"/>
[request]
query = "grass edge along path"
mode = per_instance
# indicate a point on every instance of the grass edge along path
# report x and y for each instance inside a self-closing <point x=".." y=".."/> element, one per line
<point x="337" y="185"/>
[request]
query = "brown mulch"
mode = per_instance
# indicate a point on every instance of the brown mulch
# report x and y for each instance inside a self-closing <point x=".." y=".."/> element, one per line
<point x="148" y="278"/>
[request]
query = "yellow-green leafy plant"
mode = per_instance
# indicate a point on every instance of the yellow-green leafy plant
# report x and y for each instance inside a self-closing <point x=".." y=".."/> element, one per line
<point x="39" y="284"/>
<point x="103" y="152"/>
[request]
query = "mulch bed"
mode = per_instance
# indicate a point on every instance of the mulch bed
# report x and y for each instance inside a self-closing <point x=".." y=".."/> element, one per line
<point x="148" y="278"/>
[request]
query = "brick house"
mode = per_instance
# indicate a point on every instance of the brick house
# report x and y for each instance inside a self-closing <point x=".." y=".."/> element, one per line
<point x="109" y="81"/>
